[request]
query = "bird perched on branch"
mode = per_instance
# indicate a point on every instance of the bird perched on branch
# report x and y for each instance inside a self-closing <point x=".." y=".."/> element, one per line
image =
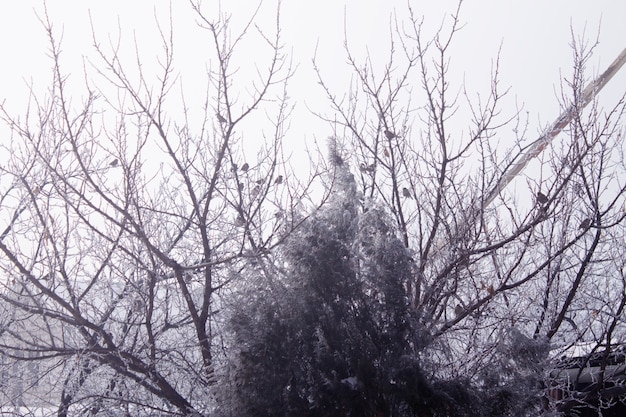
<point x="221" y="118"/>
<point x="585" y="224"/>
<point x="279" y="180"/>
<point x="367" y="168"/>
<point x="245" y="167"/>
<point x="407" y="193"/>
<point x="389" y="134"/>
<point x="114" y="162"/>
<point x="542" y="198"/>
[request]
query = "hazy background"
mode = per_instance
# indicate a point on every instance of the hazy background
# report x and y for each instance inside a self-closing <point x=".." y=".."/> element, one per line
<point x="532" y="38"/>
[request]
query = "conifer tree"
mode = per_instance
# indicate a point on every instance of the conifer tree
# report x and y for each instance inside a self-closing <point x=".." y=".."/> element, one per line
<point x="339" y="337"/>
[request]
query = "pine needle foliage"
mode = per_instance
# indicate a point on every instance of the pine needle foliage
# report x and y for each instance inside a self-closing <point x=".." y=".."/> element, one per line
<point x="339" y="338"/>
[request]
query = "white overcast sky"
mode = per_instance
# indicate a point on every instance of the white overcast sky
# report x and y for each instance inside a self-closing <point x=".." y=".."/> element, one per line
<point x="534" y="37"/>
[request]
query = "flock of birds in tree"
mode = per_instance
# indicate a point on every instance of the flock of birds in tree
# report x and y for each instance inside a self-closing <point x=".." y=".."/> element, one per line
<point x="542" y="199"/>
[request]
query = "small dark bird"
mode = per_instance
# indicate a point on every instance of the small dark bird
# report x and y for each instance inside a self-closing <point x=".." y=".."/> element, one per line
<point x="114" y="163"/>
<point x="585" y="224"/>
<point x="407" y="193"/>
<point x="279" y="180"/>
<point x="542" y="198"/>
<point x="390" y="135"/>
<point x="386" y="153"/>
<point x="221" y="118"/>
<point x="245" y="167"/>
<point x="233" y="168"/>
<point x="367" y="168"/>
<point x="464" y="260"/>
<point x="458" y="310"/>
<point x="241" y="186"/>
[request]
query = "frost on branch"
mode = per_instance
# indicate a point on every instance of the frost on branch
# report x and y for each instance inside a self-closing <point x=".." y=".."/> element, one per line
<point x="337" y="336"/>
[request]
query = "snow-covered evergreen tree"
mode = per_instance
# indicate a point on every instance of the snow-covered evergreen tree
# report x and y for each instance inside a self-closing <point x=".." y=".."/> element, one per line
<point x="340" y="337"/>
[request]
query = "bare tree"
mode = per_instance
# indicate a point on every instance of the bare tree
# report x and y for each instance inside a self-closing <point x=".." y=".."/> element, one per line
<point x="546" y="265"/>
<point x="128" y="217"/>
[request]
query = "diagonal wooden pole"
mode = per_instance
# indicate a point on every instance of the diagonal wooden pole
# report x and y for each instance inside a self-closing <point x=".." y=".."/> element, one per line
<point x="563" y="120"/>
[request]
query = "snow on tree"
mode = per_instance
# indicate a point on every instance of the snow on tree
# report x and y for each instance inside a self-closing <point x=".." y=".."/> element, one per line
<point x="338" y="335"/>
<point x="149" y="262"/>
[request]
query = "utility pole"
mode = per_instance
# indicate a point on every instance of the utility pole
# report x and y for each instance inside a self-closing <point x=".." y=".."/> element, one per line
<point x="563" y="120"/>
